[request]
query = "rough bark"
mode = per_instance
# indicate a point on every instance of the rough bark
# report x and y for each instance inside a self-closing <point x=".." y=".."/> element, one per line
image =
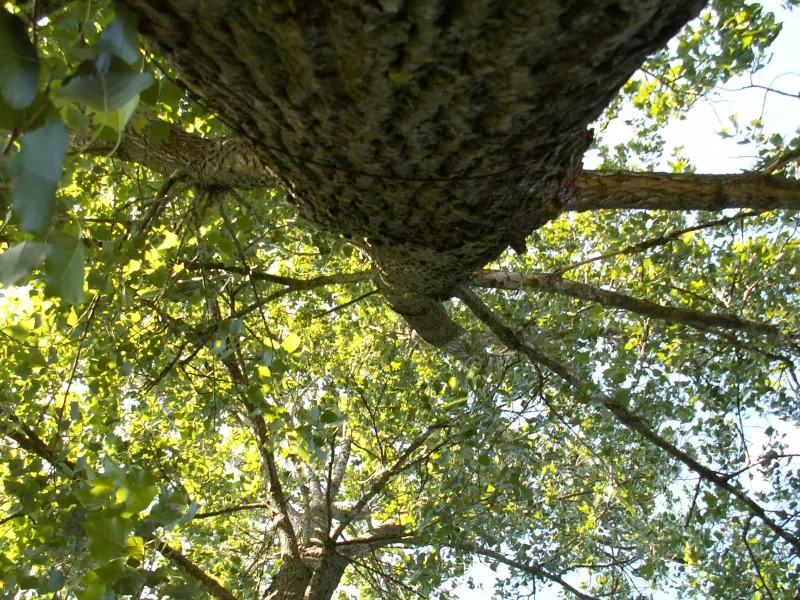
<point x="438" y="133"/>
<point x="597" y="190"/>
<point x="227" y="163"/>
<point x="232" y="163"/>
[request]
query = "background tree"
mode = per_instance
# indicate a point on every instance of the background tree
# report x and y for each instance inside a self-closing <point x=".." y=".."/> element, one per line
<point x="249" y="397"/>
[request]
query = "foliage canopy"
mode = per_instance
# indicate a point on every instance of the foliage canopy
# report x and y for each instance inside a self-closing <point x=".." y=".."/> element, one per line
<point x="197" y="382"/>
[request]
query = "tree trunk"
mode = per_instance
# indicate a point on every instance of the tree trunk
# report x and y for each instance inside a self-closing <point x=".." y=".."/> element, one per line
<point x="312" y="578"/>
<point x="436" y="133"/>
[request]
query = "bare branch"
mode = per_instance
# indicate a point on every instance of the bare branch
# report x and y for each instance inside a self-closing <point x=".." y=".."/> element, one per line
<point x="754" y="560"/>
<point x="507" y="280"/>
<point x="229" y="510"/>
<point x="657" y="241"/>
<point x="277" y="499"/>
<point x="388" y="533"/>
<point x="29" y="440"/>
<point x="531" y="569"/>
<point x="783" y="159"/>
<point x="598" y="190"/>
<point x="291" y="283"/>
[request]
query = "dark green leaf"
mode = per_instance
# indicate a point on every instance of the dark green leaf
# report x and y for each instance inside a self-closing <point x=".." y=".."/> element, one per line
<point x="19" y="63"/>
<point x="329" y="417"/>
<point x="17" y="262"/>
<point x="169" y="93"/>
<point x="105" y="84"/>
<point x="158" y="131"/>
<point x="64" y="268"/>
<point x="37" y="169"/>
<point x="76" y="119"/>
<point x="55" y="580"/>
<point x="107" y="538"/>
<point x="119" y="37"/>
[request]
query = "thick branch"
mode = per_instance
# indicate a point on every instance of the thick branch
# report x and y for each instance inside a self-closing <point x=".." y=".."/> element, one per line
<point x="597" y="190"/>
<point x="211" y="585"/>
<point x="341" y="466"/>
<point x="226" y="163"/>
<point x="632" y="421"/>
<point x="277" y="499"/>
<point x="507" y="280"/>
<point x="436" y="134"/>
<point x="384" y="535"/>
<point x="229" y="510"/>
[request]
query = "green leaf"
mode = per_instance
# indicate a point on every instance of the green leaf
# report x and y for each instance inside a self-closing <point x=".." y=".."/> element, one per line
<point x="149" y="95"/>
<point x="94" y="591"/>
<point x="117" y="119"/>
<point x="329" y="417"/>
<point x="76" y="119"/>
<point x="137" y="497"/>
<point x="105" y="84"/>
<point x="38" y="169"/>
<point x="169" y="93"/>
<point x="108" y="537"/>
<point x="55" y="580"/>
<point x="64" y="268"/>
<point x="291" y="343"/>
<point x="119" y="37"/>
<point x="10" y="118"/>
<point x="19" y="63"/>
<point x="17" y="262"/>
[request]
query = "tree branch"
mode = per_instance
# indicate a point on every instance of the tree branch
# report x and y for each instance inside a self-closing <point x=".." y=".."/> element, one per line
<point x="208" y="162"/>
<point x="385" y="534"/>
<point x="277" y="499"/>
<point x="380" y="481"/>
<point x="293" y="283"/>
<point x="229" y="510"/>
<point x="598" y="190"/>
<point x="533" y="570"/>
<point x="632" y="421"/>
<point x="657" y="241"/>
<point x="507" y="280"/>
<point x="27" y="439"/>
<point x="211" y="585"/>
<point x="341" y="465"/>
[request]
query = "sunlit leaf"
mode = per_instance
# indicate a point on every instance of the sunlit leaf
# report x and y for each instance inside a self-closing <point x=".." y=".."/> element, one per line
<point x="291" y="342"/>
